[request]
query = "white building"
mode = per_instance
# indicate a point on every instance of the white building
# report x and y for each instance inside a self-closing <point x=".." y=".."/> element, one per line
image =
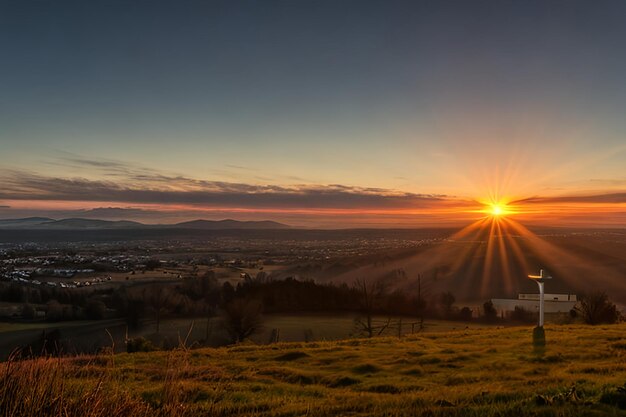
<point x="554" y="303"/>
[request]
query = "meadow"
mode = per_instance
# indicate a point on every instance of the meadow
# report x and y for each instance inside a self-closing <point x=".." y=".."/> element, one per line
<point x="470" y="372"/>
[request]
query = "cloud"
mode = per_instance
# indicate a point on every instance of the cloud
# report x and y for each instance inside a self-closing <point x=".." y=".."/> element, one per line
<point x="107" y="166"/>
<point x="610" y="198"/>
<point x="121" y="170"/>
<point x="241" y="167"/>
<point x="608" y="182"/>
<point x="162" y="189"/>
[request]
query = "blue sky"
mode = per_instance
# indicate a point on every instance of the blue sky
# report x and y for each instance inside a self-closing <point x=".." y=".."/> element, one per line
<point x="450" y="98"/>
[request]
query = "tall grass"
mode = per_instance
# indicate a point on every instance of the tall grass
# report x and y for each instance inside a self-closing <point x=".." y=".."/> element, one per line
<point x="78" y="387"/>
<point x="47" y="387"/>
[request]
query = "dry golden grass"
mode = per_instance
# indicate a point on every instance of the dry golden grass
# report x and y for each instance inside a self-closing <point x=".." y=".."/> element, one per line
<point x="478" y="372"/>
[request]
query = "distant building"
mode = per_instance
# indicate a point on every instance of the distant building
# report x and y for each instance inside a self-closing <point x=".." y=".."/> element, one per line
<point x="554" y="303"/>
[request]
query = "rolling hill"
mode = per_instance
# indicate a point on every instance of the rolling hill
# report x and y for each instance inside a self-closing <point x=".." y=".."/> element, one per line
<point x="486" y="372"/>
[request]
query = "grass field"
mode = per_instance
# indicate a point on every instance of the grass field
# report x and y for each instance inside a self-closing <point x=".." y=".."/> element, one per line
<point x="7" y="327"/>
<point x="89" y="336"/>
<point x="472" y="372"/>
<point x="292" y="327"/>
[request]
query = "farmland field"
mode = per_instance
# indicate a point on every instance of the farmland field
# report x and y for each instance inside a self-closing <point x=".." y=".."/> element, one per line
<point x="470" y="372"/>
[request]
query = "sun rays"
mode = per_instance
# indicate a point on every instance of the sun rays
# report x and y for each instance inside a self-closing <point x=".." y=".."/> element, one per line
<point x="498" y="250"/>
<point x="492" y="255"/>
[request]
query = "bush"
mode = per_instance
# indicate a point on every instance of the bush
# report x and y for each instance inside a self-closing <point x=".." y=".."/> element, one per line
<point x="465" y="314"/>
<point x="489" y="311"/>
<point x="447" y="300"/>
<point x="140" y="344"/>
<point x="152" y="264"/>
<point x="596" y="308"/>
<point x="615" y="398"/>
<point x="522" y="315"/>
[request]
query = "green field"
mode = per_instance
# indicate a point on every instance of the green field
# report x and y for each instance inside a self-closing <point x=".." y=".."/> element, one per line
<point x="89" y="336"/>
<point x="472" y="372"/>
<point x="292" y="327"/>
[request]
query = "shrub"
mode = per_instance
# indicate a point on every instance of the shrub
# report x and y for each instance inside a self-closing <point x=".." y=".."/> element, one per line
<point x="140" y="344"/>
<point x="615" y="398"/>
<point x="596" y="308"/>
<point x="522" y="315"/>
<point x="489" y="311"/>
<point x="447" y="300"/>
<point x="465" y="314"/>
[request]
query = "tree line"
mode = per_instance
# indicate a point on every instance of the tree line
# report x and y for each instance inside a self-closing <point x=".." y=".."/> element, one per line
<point x="240" y="305"/>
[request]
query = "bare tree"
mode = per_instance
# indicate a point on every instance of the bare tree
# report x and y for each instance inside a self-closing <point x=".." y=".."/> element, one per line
<point x="370" y="297"/>
<point x="211" y="294"/>
<point x="159" y="299"/>
<point x="421" y="302"/>
<point x="241" y="318"/>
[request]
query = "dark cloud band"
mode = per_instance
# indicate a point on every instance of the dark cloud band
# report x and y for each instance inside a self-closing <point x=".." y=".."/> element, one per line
<point x="180" y="190"/>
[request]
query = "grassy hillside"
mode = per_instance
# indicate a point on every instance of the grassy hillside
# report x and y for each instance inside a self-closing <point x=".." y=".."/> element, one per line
<point x="477" y="372"/>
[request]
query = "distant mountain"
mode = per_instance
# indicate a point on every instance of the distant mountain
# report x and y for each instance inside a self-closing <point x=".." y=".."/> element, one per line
<point x="44" y="223"/>
<point x="90" y="224"/>
<point x="22" y="223"/>
<point x="230" y="224"/>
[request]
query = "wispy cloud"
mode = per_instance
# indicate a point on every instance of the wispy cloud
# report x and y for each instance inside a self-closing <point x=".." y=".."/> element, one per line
<point x="609" y="198"/>
<point x="101" y="165"/>
<point x="615" y="182"/>
<point x="116" y="170"/>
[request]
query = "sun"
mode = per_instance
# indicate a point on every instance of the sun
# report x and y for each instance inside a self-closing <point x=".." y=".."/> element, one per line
<point x="494" y="209"/>
<point x="498" y="210"/>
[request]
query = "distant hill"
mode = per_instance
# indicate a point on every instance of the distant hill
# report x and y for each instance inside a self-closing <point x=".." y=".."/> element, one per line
<point x="90" y="224"/>
<point x="44" y="223"/>
<point x="23" y="223"/>
<point x="230" y="224"/>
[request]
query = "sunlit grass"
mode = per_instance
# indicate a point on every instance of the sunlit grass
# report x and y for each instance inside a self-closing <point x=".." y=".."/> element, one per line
<point x="471" y="372"/>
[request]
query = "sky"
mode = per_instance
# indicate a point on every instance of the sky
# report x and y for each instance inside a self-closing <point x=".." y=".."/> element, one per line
<point x="314" y="113"/>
